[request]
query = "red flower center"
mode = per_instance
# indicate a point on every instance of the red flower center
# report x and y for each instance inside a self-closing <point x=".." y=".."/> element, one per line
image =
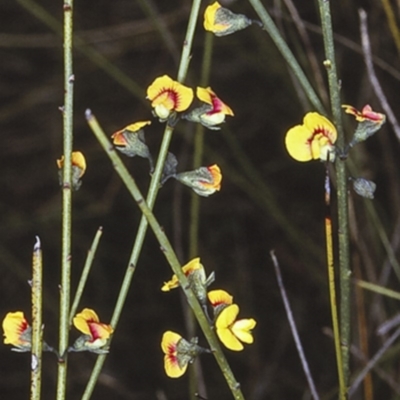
<point x="320" y="130"/>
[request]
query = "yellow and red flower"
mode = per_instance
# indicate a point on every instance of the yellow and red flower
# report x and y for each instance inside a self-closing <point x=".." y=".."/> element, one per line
<point x="365" y="114"/>
<point x="204" y="181"/>
<point x="167" y="96"/>
<point x="131" y="142"/>
<point x="196" y="276"/>
<point x="313" y="140"/>
<point x="178" y="353"/>
<point x="95" y="333"/>
<point x="17" y="331"/>
<point x="369" y="122"/>
<point x="222" y="21"/>
<point x="192" y="267"/>
<point x="174" y="365"/>
<point x="219" y="298"/>
<point x="78" y="162"/>
<point x="233" y="332"/>
<point x="212" y="113"/>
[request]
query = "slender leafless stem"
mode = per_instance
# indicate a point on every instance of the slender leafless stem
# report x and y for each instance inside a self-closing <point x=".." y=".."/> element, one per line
<point x="293" y="327"/>
<point x="366" y="46"/>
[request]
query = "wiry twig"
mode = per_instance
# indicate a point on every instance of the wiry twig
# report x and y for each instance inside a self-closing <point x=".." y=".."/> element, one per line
<point x="293" y="327"/>
<point x="373" y="361"/>
<point x="366" y="45"/>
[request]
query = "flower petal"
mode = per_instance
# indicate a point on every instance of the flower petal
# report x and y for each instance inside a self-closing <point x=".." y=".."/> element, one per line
<point x="169" y="342"/>
<point x="297" y="145"/>
<point x="81" y="320"/>
<point x="227" y="316"/>
<point x="242" y="330"/>
<point x="210" y="24"/>
<point x="167" y="95"/>
<point x="218" y="297"/>
<point x="99" y="330"/>
<point x="317" y="122"/>
<point x="14" y="325"/>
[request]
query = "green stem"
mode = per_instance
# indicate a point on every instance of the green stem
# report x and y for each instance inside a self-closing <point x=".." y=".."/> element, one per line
<point x="341" y="176"/>
<point x="37" y="325"/>
<point x="151" y="198"/>
<point x="85" y="273"/>
<point x="280" y="43"/>
<point x="199" y="149"/>
<point x="66" y="198"/>
<point x="195" y="201"/>
<point x="169" y="254"/>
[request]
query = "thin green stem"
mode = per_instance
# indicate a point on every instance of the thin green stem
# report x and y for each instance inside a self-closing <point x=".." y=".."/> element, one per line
<point x="293" y="326"/>
<point x="198" y="150"/>
<point x="37" y="325"/>
<point x="378" y="289"/>
<point x="85" y="273"/>
<point x="151" y="198"/>
<point x="66" y="198"/>
<point x="169" y="254"/>
<point x="195" y="201"/>
<point x="270" y="27"/>
<point x="341" y="177"/>
<point x="134" y="257"/>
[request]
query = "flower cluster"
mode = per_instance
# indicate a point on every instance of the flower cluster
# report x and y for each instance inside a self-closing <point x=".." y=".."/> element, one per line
<point x="316" y="137"/>
<point x="169" y="97"/>
<point x="18" y="332"/>
<point x="232" y="332"/>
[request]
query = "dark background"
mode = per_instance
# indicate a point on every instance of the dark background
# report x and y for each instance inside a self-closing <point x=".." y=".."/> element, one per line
<point x="268" y="201"/>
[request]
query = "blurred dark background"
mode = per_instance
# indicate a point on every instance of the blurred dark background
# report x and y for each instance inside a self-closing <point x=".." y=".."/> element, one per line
<point x="268" y="201"/>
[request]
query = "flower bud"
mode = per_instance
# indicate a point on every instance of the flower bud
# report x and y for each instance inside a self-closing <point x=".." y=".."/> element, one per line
<point x="364" y="187"/>
<point x="204" y="181"/>
<point x="131" y="142"/>
<point x="369" y="122"/>
<point x="78" y="169"/>
<point x="222" y="21"/>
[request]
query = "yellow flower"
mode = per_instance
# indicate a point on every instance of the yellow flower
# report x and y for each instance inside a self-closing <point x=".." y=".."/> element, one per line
<point x="89" y="324"/>
<point x="77" y="160"/>
<point x="212" y="113"/>
<point x="167" y="95"/>
<point x="17" y="331"/>
<point x="222" y="21"/>
<point x="78" y="169"/>
<point x="231" y="331"/>
<point x="365" y="114"/>
<point x="174" y="365"/>
<point x="204" y="180"/>
<point x="369" y="122"/>
<point x="313" y="140"/>
<point x="192" y="267"/>
<point x="178" y="353"/>
<point x="118" y="137"/>
<point x="131" y="142"/>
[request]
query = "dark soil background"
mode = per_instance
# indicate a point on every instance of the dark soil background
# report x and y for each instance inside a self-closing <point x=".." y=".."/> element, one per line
<point x="268" y="201"/>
